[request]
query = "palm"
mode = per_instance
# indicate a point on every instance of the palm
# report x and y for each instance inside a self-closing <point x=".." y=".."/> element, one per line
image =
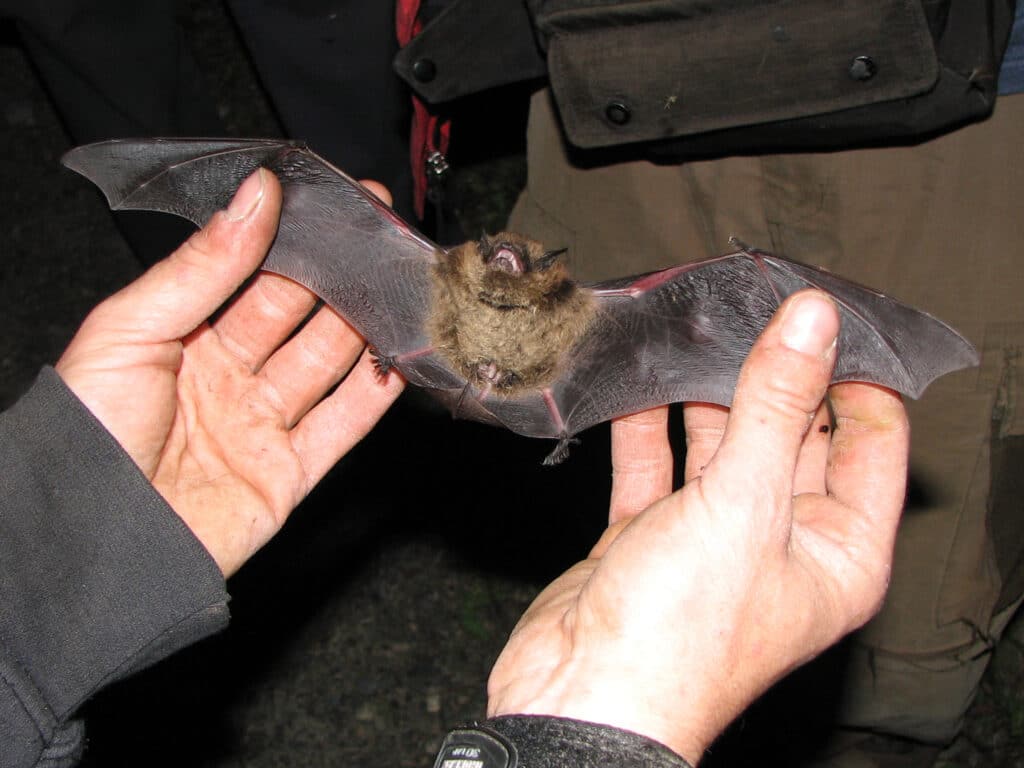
<point x="228" y="419"/>
<point x="229" y="447"/>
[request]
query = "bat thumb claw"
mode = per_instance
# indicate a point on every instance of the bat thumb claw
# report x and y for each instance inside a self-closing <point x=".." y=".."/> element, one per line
<point x="382" y="363"/>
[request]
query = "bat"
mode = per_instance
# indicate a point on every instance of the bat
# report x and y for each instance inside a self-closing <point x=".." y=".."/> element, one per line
<point x="497" y="329"/>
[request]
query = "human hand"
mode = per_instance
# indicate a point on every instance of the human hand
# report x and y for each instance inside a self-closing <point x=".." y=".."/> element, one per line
<point x="779" y="543"/>
<point x="227" y="417"/>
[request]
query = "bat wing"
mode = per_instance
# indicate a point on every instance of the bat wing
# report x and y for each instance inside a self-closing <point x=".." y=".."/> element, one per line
<point x="676" y="335"/>
<point x="335" y="237"/>
<point x="681" y="335"/>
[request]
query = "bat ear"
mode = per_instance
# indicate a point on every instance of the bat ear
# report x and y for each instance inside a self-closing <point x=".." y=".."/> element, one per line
<point x="484" y="245"/>
<point x="549" y="257"/>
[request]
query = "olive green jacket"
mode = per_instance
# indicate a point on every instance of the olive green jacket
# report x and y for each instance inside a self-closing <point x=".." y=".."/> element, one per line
<point x="694" y="78"/>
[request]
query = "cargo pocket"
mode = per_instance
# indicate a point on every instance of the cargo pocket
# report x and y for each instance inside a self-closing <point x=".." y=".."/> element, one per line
<point x="1006" y="495"/>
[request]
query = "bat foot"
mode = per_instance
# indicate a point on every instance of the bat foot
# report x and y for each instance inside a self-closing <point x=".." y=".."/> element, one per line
<point x="746" y="248"/>
<point x="382" y="363"/>
<point x="561" y="452"/>
<point x="738" y="244"/>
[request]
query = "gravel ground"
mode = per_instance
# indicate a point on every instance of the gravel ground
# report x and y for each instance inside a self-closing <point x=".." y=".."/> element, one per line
<point x="369" y="625"/>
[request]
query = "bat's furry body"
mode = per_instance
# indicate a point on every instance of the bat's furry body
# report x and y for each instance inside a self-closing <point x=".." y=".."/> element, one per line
<point x="503" y="316"/>
<point x="497" y="329"/>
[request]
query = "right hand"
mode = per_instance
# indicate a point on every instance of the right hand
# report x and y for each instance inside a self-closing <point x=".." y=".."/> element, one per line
<point x="779" y="544"/>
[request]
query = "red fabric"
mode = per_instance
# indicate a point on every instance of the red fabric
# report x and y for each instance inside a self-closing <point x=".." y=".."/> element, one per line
<point x="429" y="133"/>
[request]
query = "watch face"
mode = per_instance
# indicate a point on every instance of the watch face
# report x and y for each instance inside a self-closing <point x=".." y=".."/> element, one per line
<point x="475" y="748"/>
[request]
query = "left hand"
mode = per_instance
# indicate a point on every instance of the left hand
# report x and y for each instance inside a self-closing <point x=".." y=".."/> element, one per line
<point x="227" y="417"/>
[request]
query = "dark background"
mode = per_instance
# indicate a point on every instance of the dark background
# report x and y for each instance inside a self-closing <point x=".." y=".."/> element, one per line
<point x="367" y="628"/>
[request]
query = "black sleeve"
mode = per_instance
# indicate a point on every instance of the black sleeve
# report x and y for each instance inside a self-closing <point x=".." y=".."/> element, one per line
<point x="99" y="577"/>
<point x="536" y="741"/>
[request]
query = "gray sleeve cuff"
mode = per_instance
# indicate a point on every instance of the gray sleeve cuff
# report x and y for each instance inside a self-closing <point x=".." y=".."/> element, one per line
<point x="101" y="577"/>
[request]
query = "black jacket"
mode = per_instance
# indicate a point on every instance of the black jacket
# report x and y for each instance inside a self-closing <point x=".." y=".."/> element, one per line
<point x="689" y="78"/>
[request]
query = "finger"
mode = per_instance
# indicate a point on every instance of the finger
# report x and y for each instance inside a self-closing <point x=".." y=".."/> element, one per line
<point x="809" y="476"/>
<point x="260" y="320"/>
<point x="379" y="190"/>
<point x="641" y="462"/>
<point x="337" y="423"/>
<point x="867" y="469"/>
<point x="704" y="424"/>
<point x="853" y="537"/>
<point x="312" y="362"/>
<point x="262" y="317"/>
<point x="780" y="388"/>
<point x="177" y="294"/>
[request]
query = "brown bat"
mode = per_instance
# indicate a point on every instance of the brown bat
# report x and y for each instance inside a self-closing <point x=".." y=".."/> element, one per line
<point x="497" y="329"/>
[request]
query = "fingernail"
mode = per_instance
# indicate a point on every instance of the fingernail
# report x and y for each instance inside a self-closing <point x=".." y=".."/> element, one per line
<point x="247" y="197"/>
<point x="810" y="325"/>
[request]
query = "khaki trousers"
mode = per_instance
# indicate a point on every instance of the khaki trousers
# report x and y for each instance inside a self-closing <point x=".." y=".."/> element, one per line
<point x="939" y="225"/>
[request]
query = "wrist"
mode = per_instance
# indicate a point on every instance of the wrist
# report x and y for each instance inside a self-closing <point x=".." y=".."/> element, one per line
<point x="637" y="707"/>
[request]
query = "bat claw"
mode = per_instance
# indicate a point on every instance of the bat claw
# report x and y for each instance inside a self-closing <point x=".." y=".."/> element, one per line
<point x="383" y="363"/>
<point x="738" y="244"/>
<point x="561" y="452"/>
<point x="746" y="248"/>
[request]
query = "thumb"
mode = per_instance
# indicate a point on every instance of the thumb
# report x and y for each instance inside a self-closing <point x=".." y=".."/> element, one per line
<point x="781" y="385"/>
<point x="177" y="294"/>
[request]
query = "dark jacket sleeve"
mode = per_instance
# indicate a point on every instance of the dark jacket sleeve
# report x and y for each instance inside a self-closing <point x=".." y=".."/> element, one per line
<point x="98" y="576"/>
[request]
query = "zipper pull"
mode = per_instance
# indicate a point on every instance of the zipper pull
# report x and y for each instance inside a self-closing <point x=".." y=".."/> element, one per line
<point x="438" y="171"/>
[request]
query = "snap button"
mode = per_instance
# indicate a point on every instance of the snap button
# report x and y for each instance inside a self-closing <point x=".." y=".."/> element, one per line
<point x="863" y="68"/>
<point x="617" y="113"/>
<point x="424" y="70"/>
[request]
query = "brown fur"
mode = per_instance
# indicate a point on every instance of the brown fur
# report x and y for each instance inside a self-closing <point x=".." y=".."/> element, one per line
<point x="502" y="329"/>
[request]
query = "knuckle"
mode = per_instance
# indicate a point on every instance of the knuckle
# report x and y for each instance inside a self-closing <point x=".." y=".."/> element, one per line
<point x="787" y="386"/>
<point x="219" y="237"/>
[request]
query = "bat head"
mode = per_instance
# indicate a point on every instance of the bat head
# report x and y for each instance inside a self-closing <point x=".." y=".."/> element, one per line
<point x="509" y="270"/>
